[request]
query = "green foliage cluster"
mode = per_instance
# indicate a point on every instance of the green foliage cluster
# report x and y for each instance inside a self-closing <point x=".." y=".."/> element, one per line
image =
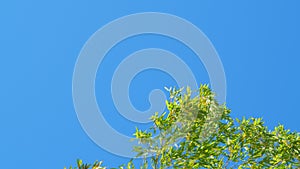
<point x="197" y="132"/>
<point x="81" y="165"/>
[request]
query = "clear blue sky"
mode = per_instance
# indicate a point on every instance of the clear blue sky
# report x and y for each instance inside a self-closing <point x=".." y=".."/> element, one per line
<point x="258" y="43"/>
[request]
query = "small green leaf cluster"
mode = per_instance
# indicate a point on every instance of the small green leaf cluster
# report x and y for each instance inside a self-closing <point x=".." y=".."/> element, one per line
<point x="80" y="165"/>
<point x="197" y="132"/>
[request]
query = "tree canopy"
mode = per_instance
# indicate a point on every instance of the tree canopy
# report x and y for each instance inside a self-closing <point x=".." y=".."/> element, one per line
<point x="198" y="132"/>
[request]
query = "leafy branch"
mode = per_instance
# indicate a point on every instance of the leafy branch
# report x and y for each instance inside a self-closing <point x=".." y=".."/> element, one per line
<point x="197" y="132"/>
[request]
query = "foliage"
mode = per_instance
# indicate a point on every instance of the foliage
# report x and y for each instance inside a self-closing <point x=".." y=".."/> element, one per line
<point x="197" y="132"/>
<point x="80" y="165"/>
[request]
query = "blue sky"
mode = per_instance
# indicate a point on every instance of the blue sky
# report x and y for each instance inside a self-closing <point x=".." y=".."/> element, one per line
<point x="258" y="43"/>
